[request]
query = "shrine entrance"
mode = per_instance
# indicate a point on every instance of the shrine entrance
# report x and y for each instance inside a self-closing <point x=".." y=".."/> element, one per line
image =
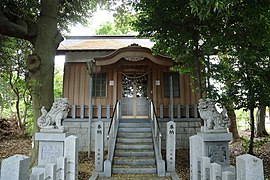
<point x="135" y="102"/>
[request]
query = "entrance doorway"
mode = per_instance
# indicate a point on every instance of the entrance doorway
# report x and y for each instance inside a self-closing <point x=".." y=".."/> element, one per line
<point x="135" y="102"/>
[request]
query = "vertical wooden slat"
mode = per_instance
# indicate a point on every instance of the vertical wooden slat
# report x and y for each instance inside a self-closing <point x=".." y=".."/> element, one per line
<point x="161" y="111"/>
<point x="108" y="112"/>
<point x="66" y="80"/>
<point x="86" y="87"/>
<point x="188" y="89"/>
<point x="77" y="85"/>
<point x="99" y="111"/>
<point x="73" y="111"/>
<point x="178" y="111"/>
<point x="195" y="110"/>
<point x="182" y="89"/>
<point x="82" y="111"/>
<point x="71" y="84"/>
<point x="82" y="79"/>
<point x="187" y="111"/>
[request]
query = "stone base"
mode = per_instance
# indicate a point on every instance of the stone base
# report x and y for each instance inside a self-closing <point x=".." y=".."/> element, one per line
<point x="52" y="130"/>
<point x="212" y="145"/>
<point x="51" y="146"/>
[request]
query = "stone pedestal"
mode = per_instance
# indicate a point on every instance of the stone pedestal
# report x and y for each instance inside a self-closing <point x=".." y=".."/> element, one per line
<point x="51" y="145"/>
<point x="212" y="145"/>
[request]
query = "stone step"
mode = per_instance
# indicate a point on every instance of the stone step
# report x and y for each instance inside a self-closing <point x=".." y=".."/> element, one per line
<point x="135" y="130"/>
<point x="134" y="161"/>
<point x="134" y="140"/>
<point x="134" y="134"/>
<point x="135" y="125"/>
<point x="134" y="121"/>
<point x="129" y="170"/>
<point x="137" y="147"/>
<point x="134" y="177"/>
<point x="134" y="154"/>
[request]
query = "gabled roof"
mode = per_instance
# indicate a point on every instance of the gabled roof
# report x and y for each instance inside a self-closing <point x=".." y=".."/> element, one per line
<point x="101" y="43"/>
<point x="134" y="53"/>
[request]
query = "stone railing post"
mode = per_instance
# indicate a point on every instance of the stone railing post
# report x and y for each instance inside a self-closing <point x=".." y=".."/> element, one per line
<point x="170" y="146"/>
<point x="15" y="167"/>
<point x="71" y="153"/>
<point x="99" y="131"/>
<point x="249" y="167"/>
<point x="61" y="168"/>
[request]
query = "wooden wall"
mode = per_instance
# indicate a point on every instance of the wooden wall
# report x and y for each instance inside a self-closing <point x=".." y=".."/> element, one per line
<point x="76" y="85"/>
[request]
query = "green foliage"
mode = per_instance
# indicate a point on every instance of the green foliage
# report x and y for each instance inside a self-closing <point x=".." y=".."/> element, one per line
<point x="15" y="91"/>
<point x="123" y="17"/>
<point x="107" y="28"/>
<point x="257" y="144"/>
<point x="58" y="82"/>
<point x="70" y="12"/>
<point x="242" y="118"/>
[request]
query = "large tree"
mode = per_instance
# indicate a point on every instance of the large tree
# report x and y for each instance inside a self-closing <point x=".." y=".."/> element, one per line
<point x="193" y="30"/>
<point x="185" y="36"/>
<point x="40" y="23"/>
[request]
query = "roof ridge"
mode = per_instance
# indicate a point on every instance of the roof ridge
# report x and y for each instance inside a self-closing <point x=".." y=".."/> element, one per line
<point x="106" y="37"/>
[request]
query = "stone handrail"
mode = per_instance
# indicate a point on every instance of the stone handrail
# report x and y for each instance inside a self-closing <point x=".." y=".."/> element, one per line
<point x="156" y="132"/>
<point x="112" y="131"/>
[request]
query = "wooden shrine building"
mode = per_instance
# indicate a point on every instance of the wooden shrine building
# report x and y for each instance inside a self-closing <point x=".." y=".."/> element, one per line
<point x="123" y="69"/>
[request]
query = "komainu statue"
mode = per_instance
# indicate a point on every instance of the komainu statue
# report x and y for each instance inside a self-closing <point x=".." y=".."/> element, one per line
<point x="213" y="120"/>
<point x="53" y="118"/>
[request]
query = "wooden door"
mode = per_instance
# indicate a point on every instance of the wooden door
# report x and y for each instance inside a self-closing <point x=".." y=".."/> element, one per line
<point x="135" y="102"/>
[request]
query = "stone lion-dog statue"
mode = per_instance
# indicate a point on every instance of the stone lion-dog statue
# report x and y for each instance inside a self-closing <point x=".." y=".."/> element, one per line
<point x="213" y="120"/>
<point x="53" y="118"/>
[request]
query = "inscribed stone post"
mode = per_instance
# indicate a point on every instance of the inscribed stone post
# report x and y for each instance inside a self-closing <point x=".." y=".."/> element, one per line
<point x="15" y="167"/>
<point x="215" y="171"/>
<point x="61" y="168"/>
<point x="205" y="168"/>
<point x="249" y="167"/>
<point x="99" y="146"/>
<point x="170" y="146"/>
<point x="50" y="171"/>
<point x="51" y="146"/>
<point x="196" y="151"/>
<point x="71" y="153"/>
<point x="37" y="176"/>
<point x="228" y="175"/>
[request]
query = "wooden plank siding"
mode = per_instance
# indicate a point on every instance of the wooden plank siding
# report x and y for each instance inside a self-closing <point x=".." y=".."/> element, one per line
<point x="76" y="87"/>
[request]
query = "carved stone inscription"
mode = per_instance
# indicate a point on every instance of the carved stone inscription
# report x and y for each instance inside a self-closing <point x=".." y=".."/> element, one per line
<point x="50" y="151"/>
<point x="99" y="147"/>
<point x="170" y="146"/>
<point x="218" y="153"/>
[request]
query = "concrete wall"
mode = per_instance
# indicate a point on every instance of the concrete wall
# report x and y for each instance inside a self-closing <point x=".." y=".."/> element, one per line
<point x="185" y="127"/>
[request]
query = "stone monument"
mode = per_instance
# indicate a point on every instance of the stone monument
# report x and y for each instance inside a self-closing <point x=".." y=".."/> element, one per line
<point x="212" y="141"/>
<point x="52" y="134"/>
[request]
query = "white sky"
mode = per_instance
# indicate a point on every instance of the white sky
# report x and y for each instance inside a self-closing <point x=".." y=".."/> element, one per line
<point x="98" y="18"/>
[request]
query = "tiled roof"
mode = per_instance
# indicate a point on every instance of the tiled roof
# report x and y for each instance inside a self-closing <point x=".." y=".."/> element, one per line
<point x="79" y="43"/>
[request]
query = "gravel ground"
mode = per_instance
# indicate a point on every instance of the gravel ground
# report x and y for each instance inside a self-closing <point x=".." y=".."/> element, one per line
<point x="9" y="147"/>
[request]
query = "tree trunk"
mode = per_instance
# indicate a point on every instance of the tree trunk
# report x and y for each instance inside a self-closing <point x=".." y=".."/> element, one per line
<point x="233" y="126"/>
<point x="45" y="45"/>
<point x="252" y="129"/>
<point x="260" y="122"/>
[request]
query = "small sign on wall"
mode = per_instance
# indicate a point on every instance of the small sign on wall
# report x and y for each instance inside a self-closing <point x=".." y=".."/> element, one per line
<point x="111" y="83"/>
<point x="157" y="82"/>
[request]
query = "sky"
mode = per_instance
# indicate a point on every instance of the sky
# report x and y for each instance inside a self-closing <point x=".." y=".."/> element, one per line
<point x="98" y="18"/>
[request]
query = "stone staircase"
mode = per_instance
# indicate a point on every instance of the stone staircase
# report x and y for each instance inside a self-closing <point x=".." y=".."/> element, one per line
<point x="134" y="151"/>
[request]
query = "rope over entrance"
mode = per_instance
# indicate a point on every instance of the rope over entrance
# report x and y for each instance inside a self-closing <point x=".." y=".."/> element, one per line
<point x="136" y="77"/>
